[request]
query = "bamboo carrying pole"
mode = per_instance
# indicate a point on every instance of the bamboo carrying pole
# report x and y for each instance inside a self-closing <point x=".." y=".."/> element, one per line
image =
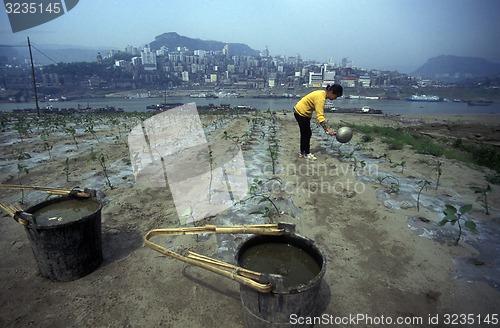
<point x="50" y="190"/>
<point x="17" y="213"/>
<point x="11" y="209"/>
<point x="20" y="216"/>
<point x="244" y="276"/>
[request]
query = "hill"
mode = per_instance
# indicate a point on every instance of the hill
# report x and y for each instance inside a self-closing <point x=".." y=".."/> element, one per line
<point x="172" y="40"/>
<point x="454" y="68"/>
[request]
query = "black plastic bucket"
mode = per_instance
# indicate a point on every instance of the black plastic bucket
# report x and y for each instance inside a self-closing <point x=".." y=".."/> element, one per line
<point x="278" y="308"/>
<point x="65" y="249"/>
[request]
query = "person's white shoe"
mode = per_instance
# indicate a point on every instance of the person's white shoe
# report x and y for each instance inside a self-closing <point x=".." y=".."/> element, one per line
<point x="310" y="156"/>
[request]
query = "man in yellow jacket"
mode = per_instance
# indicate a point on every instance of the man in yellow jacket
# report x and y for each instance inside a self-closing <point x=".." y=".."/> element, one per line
<point x="303" y="110"/>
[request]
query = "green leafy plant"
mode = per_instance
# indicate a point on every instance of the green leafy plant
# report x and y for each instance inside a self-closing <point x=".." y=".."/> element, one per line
<point x="101" y="159"/>
<point x="384" y="156"/>
<point x="227" y="136"/>
<point x="66" y="169"/>
<point x="4" y="119"/>
<point x="89" y="127"/>
<point x="72" y="131"/>
<point x="367" y="138"/>
<point x="121" y="141"/>
<point x="483" y="195"/>
<point x="402" y="164"/>
<point x="257" y="192"/>
<point x="423" y="184"/>
<point x="273" y="152"/>
<point x="357" y="163"/>
<point x="453" y="216"/>
<point x="22" y="126"/>
<point x="21" y="168"/>
<point x="468" y="152"/>
<point x="393" y="186"/>
<point x="349" y="155"/>
<point x="46" y="143"/>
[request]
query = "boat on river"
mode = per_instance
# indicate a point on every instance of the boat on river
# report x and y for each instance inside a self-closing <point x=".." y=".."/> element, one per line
<point x="70" y="111"/>
<point x="424" y="98"/>
<point x="480" y="102"/>
<point x="164" y="106"/>
<point x="362" y="110"/>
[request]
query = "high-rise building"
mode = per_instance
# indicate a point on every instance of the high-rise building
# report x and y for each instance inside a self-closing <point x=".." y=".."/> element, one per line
<point x="148" y="59"/>
<point x="264" y="53"/>
<point x="315" y="79"/>
<point x="328" y="77"/>
<point x="346" y="63"/>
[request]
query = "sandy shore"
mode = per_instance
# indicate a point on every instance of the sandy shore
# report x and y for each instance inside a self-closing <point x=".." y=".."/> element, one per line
<point x="384" y="256"/>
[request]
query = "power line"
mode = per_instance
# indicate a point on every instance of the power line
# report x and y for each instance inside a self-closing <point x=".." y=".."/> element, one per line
<point x="44" y="55"/>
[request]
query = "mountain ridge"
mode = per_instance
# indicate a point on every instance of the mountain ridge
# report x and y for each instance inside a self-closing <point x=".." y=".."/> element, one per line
<point x="445" y="68"/>
<point x="449" y="68"/>
<point x="173" y="40"/>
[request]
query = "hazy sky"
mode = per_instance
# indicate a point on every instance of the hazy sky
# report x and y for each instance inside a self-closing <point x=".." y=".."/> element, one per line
<point x="387" y="34"/>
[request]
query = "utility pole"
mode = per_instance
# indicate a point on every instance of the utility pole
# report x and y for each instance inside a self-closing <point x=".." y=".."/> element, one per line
<point x="34" y="79"/>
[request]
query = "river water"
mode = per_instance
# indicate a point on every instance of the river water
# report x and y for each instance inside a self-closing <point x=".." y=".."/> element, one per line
<point x="389" y="107"/>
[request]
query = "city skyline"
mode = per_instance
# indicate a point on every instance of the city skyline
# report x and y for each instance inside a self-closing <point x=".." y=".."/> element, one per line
<point x="382" y="34"/>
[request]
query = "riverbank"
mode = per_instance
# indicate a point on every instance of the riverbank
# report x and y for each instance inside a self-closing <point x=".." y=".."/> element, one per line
<point x="395" y="93"/>
<point x="388" y="107"/>
<point x="362" y="203"/>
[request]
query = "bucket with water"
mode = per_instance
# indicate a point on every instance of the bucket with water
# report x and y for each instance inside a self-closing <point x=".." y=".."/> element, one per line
<point x="65" y="237"/>
<point x="300" y="264"/>
<point x="64" y="232"/>
<point x="279" y="272"/>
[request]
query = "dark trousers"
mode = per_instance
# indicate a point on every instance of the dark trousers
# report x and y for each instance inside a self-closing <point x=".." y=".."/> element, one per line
<point x="305" y="132"/>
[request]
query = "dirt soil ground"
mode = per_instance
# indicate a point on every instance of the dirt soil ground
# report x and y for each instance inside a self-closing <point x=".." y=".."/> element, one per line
<point x="385" y="259"/>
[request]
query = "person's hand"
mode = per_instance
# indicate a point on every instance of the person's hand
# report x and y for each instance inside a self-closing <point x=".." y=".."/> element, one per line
<point x="330" y="132"/>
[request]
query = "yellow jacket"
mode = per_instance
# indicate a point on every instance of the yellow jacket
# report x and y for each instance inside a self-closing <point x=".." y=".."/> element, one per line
<point x="314" y="101"/>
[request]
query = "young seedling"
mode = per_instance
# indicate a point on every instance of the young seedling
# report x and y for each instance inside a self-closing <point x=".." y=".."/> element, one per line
<point x="256" y="192"/>
<point x="66" y="169"/>
<point x="115" y="122"/>
<point x="46" y="143"/>
<point x="349" y="155"/>
<point x="4" y="119"/>
<point x="211" y="160"/>
<point x="452" y="216"/>
<point x="439" y="172"/>
<point x="357" y="163"/>
<point x="484" y="196"/>
<point x="236" y="139"/>
<point x="402" y="164"/>
<point x="89" y="127"/>
<point x="119" y="140"/>
<point x="393" y="186"/>
<point x="423" y="184"/>
<point x="20" y="169"/>
<point x="71" y="130"/>
<point x="101" y="158"/>
<point x="22" y="127"/>
<point x="274" y="156"/>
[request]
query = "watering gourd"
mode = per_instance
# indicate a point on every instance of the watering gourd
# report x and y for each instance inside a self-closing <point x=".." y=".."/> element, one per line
<point x="344" y="134"/>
